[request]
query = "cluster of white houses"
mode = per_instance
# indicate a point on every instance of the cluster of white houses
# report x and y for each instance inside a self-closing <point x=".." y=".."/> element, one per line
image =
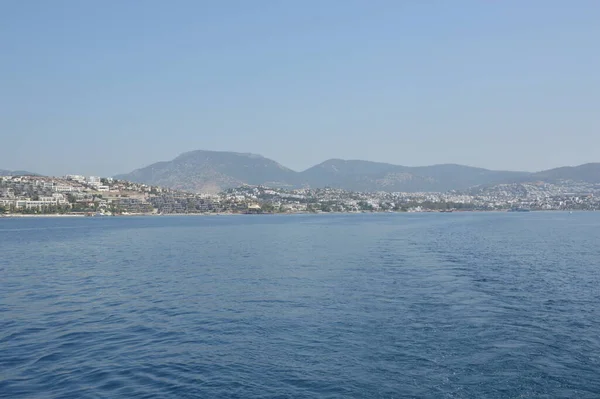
<point x="39" y="203"/>
<point x="93" y="181"/>
<point x="40" y="193"/>
<point x="35" y="192"/>
<point x="82" y="194"/>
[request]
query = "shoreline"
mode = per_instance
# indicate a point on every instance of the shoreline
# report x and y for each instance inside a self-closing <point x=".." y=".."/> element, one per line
<point x="54" y="215"/>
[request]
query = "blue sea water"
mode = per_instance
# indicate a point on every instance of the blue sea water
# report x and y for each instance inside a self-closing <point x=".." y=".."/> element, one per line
<point x="461" y="305"/>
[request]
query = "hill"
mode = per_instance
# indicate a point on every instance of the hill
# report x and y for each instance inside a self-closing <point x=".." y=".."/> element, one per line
<point x="4" y="172"/>
<point x="374" y="176"/>
<point x="212" y="171"/>
<point x="589" y="173"/>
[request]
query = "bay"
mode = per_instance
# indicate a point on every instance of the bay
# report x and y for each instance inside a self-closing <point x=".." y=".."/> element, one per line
<point x="461" y="305"/>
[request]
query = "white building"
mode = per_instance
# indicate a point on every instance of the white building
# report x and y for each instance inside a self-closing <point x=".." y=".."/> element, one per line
<point x="63" y="188"/>
<point x="78" y="178"/>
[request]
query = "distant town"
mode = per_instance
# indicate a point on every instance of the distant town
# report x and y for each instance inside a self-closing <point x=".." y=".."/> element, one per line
<point x="77" y="195"/>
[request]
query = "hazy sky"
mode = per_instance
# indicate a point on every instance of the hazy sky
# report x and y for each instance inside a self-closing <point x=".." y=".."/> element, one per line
<point x="104" y="87"/>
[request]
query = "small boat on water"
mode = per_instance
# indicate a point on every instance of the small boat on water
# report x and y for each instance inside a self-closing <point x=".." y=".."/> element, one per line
<point x="518" y="210"/>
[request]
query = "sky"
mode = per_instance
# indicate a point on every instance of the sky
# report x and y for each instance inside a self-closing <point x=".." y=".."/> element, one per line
<point x="105" y="87"/>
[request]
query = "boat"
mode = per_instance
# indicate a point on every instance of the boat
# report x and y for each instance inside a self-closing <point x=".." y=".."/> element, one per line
<point x="518" y="210"/>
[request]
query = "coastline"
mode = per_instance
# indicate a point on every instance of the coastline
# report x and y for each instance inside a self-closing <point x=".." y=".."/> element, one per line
<point x="43" y="215"/>
<point x="53" y="215"/>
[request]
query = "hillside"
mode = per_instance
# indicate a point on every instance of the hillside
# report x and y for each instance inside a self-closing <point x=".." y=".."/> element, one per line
<point x="212" y="171"/>
<point x="4" y="172"/>
<point x="373" y="176"/>
<point x="589" y="172"/>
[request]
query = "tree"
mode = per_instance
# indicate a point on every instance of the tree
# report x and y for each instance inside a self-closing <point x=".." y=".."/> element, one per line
<point x="364" y="206"/>
<point x="267" y="208"/>
<point x="326" y="207"/>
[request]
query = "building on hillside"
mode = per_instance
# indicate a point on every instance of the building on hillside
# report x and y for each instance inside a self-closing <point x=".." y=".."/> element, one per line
<point x="77" y="178"/>
<point x="253" y="208"/>
<point x="93" y="180"/>
<point x="132" y="205"/>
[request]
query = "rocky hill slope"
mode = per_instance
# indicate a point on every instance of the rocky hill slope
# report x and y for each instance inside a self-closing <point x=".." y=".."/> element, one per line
<point x="212" y="171"/>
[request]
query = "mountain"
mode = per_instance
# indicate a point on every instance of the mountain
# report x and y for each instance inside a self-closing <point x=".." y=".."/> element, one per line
<point x="374" y="176"/>
<point x="212" y="171"/>
<point x="4" y="172"/>
<point x="589" y="172"/>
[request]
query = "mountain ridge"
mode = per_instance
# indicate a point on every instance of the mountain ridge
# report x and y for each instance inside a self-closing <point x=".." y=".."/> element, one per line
<point x="212" y="171"/>
<point x="6" y="172"/>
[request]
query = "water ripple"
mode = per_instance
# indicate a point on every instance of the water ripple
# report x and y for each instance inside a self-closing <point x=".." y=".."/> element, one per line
<point x="378" y="306"/>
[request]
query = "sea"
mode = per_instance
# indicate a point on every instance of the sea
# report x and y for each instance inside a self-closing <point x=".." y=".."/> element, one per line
<point x="444" y="305"/>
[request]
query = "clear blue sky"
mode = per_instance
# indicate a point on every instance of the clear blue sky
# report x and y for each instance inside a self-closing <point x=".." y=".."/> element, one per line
<point x="104" y="87"/>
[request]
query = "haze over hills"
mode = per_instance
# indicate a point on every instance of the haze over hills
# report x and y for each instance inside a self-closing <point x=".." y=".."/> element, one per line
<point x="4" y="172"/>
<point x="589" y="172"/>
<point x="212" y="171"/>
<point x="374" y="176"/>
